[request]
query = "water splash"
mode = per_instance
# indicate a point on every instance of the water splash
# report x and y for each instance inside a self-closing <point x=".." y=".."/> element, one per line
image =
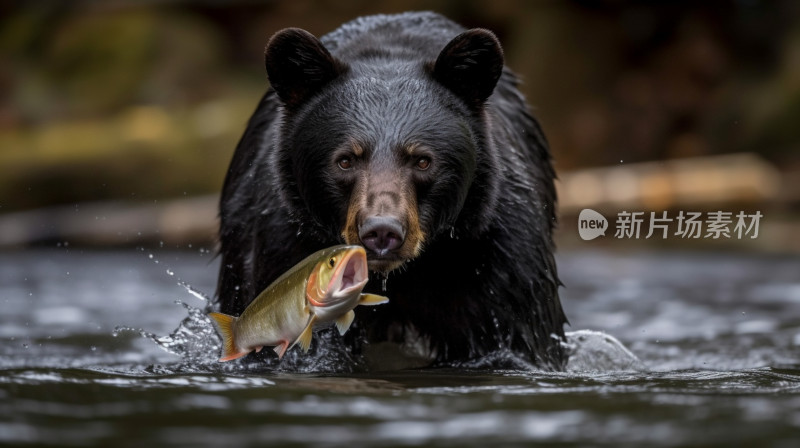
<point x="195" y="339"/>
<point x="197" y="294"/>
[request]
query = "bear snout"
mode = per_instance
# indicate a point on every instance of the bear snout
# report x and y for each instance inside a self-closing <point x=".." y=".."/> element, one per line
<point x="381" y="234"/>
<point x="382" y="216"/>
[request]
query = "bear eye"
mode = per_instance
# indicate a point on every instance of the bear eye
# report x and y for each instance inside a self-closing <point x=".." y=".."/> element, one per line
<point x="345" y="163"/>
<point x="423" y="163"/>
<point x="332" y="262"/>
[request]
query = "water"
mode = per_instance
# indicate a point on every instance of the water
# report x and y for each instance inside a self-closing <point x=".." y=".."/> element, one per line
<point x="719" y="334"/>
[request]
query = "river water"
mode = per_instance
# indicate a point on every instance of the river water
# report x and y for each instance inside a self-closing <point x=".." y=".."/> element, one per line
<point x="719" y="335"/>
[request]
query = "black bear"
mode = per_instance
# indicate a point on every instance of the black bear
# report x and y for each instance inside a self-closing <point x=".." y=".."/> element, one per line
<point x="405" y="134"/>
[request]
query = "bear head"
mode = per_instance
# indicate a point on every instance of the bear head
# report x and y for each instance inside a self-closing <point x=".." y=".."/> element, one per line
<point x="386" y="152"/>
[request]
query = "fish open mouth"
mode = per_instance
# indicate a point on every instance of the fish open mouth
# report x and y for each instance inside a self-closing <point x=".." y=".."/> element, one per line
<point x="353" y="275"/>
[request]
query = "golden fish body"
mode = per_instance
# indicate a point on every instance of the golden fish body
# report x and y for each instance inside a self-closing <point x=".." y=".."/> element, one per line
<point x="324" y="287"/>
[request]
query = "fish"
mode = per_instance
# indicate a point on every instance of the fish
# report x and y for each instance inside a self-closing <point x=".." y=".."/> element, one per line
<point x="323" y="288"/>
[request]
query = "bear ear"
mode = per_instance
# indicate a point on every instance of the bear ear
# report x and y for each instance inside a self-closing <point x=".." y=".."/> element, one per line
<point x="470" y="65"/>
<point x="298" y="65"/>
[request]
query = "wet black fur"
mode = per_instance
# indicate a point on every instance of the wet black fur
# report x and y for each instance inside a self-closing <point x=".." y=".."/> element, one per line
<point x="486" y="279"/>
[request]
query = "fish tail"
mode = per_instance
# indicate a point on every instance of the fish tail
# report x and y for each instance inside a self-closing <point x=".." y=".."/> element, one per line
<point x="225" y="325"/>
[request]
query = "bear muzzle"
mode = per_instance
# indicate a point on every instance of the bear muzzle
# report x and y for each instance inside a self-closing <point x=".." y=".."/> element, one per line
<point x="381" y="235"/>
<point x="382" y="216"/>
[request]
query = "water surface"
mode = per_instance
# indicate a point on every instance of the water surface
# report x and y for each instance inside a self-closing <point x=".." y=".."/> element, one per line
<point x="719" y="334"/>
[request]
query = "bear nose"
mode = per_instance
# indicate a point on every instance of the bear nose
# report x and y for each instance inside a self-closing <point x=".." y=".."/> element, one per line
<point x="381" y="234"/>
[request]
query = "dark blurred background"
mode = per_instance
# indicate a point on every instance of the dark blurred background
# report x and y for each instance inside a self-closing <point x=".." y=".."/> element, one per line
<point x="118" y="118"/>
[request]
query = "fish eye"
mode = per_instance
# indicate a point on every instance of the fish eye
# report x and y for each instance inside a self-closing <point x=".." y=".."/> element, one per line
<point x="332" y="262"/>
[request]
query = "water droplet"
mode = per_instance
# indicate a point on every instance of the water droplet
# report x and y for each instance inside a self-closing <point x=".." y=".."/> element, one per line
<point x="169" y="272"/>
<point x="197" y="294"/>
<point x="93" y="348"/>
<point x="25" y="346"/>
<point x="452" y="232"/>
<point x="383" y="282"/>
<point x="150" y="256"/>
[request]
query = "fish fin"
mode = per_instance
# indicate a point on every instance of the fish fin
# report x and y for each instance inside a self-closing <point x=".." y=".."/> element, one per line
<point x="372" y="299"/>
<point x="343" y="323"/>
<point x="305" y="337"/>
<point x="225" y="326"/>
<point x="281" y="348"/>
<point x="232" y="356"/>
